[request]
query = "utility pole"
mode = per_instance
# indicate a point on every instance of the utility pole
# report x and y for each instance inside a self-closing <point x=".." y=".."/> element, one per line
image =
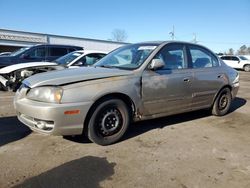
<point x="195" y="38"/>
<point x="172" y="34"/>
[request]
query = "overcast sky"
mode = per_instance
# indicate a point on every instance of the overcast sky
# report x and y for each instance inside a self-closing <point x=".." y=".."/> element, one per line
<point x="218" y="24"/>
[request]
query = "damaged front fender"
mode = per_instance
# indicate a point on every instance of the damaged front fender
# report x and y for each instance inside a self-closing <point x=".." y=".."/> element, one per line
<point x="12" y="80"/>
<point x="4" y="83"/>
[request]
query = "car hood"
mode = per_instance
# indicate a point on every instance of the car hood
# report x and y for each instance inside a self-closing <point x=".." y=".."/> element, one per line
<point x="19" y="66"/>
<point x="70" y="76"/>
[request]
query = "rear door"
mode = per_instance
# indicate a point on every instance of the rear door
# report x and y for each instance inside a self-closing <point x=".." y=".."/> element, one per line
<point x="208" y="76"/>
<point x="167" y="90"/>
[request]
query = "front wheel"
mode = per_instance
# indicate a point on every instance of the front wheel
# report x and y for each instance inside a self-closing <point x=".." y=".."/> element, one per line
<point x="109" y="122"/>
<point x="222" y="103"/>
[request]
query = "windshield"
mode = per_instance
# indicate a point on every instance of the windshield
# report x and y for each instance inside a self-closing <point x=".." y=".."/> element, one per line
<point x="127" y="57"/>
<point x="68" y="58"/>
<point x="243" y="58"/>
<point x="19" y="51"/>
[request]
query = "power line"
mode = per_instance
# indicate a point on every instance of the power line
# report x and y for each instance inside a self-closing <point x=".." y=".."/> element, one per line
<point x="194" y="40"/>
<point x="220" y="42"/>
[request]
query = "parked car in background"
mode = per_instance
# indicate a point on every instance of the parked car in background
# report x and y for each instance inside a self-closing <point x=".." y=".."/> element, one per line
<point x="135" y="82"/>
<point x="80" y="58"/>
<point x="5" y="53"/>
<point x="237" y="62"/>
<point x="12" y="76"/>
<point x="247" y="56"/>
<point x="37" y="53"/>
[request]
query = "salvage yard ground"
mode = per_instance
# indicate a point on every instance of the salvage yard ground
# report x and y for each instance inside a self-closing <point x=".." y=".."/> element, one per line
<point x="190" y="150"/>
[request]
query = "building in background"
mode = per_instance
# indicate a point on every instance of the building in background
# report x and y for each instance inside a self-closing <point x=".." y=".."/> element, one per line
<point x="11" y="40"/>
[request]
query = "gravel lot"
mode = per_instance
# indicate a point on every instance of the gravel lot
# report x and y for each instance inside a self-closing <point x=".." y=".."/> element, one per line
<point x="190" y="150"/>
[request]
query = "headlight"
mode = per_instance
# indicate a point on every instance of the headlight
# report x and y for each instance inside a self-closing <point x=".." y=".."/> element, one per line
<point x="46" y="94"/>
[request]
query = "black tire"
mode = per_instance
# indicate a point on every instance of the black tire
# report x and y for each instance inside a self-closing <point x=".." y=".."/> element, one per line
<point x="222" y="102"/>
<point x="16" y="86"/>
<point x="109" y="122"/>
<point x="247" y="68"/>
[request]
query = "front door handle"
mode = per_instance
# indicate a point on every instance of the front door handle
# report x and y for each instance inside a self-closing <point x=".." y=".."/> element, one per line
<point x="220" y="76"/>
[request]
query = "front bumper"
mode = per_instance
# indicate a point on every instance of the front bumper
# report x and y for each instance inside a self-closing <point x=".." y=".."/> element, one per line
<point x="31" y="113"/>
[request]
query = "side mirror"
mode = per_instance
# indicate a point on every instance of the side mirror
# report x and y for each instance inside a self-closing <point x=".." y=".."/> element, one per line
<point x="156" y="64"/>
<point x="79" y="63"/>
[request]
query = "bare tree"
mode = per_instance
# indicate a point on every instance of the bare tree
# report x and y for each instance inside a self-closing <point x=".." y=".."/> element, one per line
<point x="119" y="35"/>
<point x="242" y="50"/>
<point x="230" y="51"/>
<point x="248" y="50"/>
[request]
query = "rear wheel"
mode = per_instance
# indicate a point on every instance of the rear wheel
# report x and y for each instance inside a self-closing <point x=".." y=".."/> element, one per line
<point x="222" y="103"/>
<point x="247" y="68"/>
<point x="109" y="122"/>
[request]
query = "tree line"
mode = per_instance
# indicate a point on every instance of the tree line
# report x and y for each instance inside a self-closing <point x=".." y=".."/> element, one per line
<point x="243" y="50"/>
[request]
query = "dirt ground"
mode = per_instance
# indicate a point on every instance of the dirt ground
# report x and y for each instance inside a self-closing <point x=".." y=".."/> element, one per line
<point x="191" y="150"/>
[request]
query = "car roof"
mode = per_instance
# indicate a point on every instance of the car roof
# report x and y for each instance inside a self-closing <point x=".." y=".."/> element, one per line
<point x="157" y="43"/>
<point x="58" y="45"/>
<point x="168" y="42"/>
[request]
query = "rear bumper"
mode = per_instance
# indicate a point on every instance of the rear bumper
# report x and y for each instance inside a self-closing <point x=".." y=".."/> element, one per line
<point x="235" y="89"/>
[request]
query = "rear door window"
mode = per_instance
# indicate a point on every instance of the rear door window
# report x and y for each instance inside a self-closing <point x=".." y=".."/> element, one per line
<point x="235" y="58"/>
<point x="57" y="51"/>
<point x="225" y="58"/>
<point x="72" y="49"/>
<point x="202" y="58"/>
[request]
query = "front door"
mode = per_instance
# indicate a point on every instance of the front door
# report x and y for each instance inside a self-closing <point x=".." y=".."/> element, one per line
<point x="167" y="90"/>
